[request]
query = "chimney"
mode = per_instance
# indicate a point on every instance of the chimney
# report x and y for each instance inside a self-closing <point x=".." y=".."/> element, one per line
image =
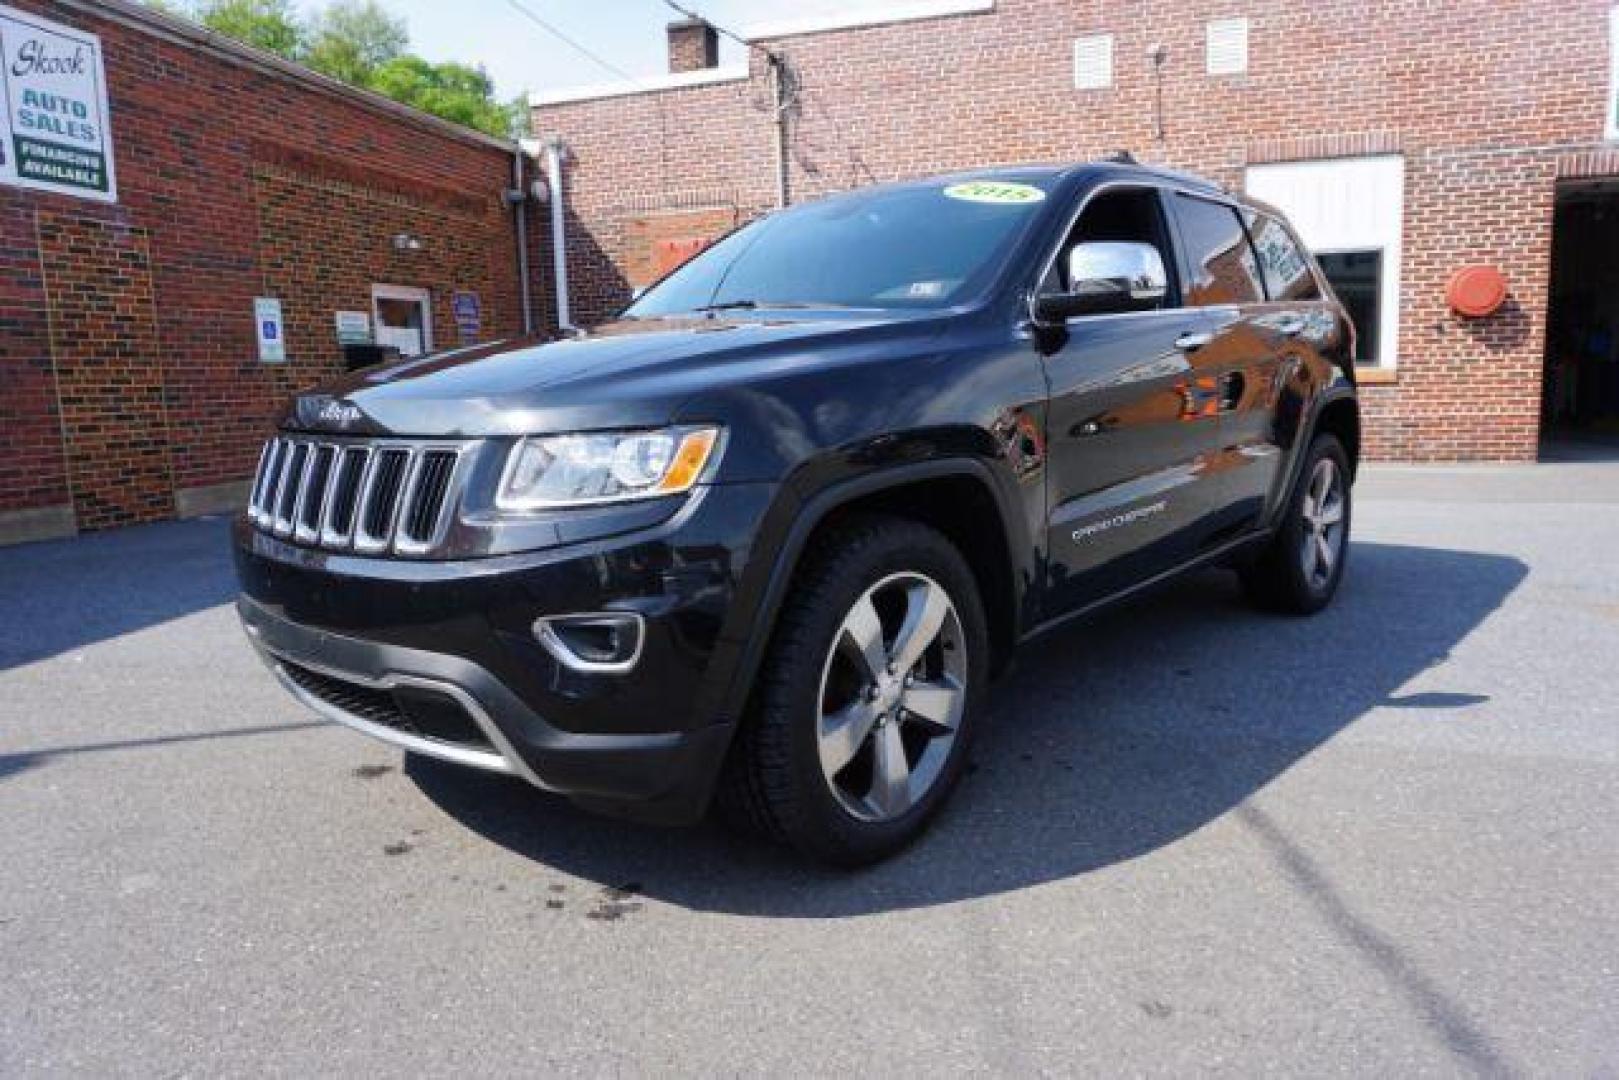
<point x="693" y="46"/>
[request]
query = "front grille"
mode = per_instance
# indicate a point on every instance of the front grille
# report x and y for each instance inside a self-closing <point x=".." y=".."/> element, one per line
<point x="370" y="497"/>
<point x="424" y="713"/>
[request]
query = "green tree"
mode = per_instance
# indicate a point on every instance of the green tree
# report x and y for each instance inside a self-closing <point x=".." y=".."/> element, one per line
<point x="359" y="43"/>
<point x="351" y="39"/>
<point x="270" y="25"/>
<point x="453" y="91"/>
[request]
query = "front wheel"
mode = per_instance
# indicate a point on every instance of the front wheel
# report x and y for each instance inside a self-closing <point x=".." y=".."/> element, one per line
<point x="1299" y="571"/>
<point x="868" y="695"/>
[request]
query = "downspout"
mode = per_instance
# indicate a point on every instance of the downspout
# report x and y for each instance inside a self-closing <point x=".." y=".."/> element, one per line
<point x="555" y="151"/>
<point x="518" y="197"/>
<point x="778" y="97"/>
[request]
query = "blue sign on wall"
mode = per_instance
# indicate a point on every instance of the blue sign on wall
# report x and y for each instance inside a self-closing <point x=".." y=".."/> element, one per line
<point x="468" y="314"/>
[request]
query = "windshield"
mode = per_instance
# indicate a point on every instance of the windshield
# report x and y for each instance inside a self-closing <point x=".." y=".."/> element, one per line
<point x="907" y="247"/>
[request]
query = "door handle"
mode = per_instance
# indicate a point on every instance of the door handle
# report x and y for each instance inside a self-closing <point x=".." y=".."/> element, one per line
<point x="1292" y="326"/>
<point x="1191" y="342"/>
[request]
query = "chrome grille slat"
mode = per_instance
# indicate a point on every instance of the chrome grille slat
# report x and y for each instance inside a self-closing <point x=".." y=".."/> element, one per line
<point x="291" y="480"/>
<point x="346" y="485"/>
<point x="379" y="502"/>
<point x="371" y="497"/>
<point x="401" y="501"/>
<point x="423" y="515"/>
<point x="312" y="499"/>
<point x="362" y="500"/>
<point x="272" y="482"/>
<point x="300" y="500"/>
<point x="261" y="477"/>
<point x="334" y="458"/>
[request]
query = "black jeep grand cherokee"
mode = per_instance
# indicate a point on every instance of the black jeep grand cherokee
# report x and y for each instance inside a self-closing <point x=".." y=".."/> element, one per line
<point x="769" y="533"/>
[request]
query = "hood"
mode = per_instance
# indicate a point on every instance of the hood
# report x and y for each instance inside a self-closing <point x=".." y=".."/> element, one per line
<point x="629" y="373"/>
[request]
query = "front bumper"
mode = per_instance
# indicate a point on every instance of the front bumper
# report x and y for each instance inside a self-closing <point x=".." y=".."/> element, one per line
<point x="665" y="777"/>
<point x="440" y="657"/>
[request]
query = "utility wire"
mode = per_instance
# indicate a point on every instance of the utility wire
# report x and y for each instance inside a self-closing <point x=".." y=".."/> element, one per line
<point x="528" y="13"/>
<point x="738" y="38"/>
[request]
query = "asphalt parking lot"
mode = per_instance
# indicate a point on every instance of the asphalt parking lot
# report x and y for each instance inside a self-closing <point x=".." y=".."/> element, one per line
<point x="1197" y="839"/>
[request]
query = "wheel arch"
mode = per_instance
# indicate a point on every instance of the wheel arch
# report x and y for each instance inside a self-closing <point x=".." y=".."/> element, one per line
<point x="957" y="496"/>
<point x="1340" y="415"/>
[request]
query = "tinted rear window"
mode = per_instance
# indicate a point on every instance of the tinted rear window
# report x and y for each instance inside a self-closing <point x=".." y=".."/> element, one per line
<point x="1287" y="271"/>
<point x="1223" y="267"/>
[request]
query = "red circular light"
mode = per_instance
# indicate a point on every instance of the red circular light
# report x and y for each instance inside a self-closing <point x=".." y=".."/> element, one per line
<point x="1476" y="291"/>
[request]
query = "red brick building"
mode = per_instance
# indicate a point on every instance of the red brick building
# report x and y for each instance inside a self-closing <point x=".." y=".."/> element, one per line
<point x="1407" y="139"/>
<point x="133" y="385"/>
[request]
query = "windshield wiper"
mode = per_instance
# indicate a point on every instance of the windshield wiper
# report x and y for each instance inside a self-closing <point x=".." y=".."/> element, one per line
<point x="729" y="305"/>
<point x="775" y="305"/>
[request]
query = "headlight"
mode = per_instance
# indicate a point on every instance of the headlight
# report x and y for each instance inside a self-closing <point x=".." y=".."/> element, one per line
<point x="550" y="471"/>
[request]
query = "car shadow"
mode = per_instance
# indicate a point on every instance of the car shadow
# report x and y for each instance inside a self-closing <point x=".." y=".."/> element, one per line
<point x="62" y="595"/>
<point x="1108" y="740"/>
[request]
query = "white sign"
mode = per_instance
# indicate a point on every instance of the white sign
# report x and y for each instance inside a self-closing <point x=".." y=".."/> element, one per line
<point x="1611" y="129"/>
<point x="54" y="132"/>
<point x="270" y="329"/>
<point x="353" y="328"/>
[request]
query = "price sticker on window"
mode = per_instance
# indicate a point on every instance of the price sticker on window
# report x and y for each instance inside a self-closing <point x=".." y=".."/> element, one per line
<point x="994" y="191"/>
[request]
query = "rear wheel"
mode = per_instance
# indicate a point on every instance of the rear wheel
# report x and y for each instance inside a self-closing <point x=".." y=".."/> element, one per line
<point x="867" y="698"/>
<point x="1299" y="571"/>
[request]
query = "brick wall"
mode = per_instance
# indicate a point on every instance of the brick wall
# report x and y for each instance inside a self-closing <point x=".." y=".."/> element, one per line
<point x="235" y="181"/>
<point x="33" y="473"/>
<point x="1466" y="91"/>
<point x="115" y="432"/>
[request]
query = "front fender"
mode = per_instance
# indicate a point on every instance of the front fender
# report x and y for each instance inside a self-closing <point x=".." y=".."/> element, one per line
<point x="800" y="508"/>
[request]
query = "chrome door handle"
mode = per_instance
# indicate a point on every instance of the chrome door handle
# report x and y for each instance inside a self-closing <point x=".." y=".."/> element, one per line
<point x="1292" y="326"/>
<point x="1193" y="341"/>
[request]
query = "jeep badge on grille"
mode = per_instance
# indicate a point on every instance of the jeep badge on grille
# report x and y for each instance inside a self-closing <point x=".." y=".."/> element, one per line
<point x="338" y="413"/>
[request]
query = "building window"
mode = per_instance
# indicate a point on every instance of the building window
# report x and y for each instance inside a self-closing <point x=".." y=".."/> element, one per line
<point x="404" y="318"/>
<point x="1349" y="213"/>
<point x="1093" y="62"/>
<point x="1357" y="278"/>
<point x="1226" y="50"/>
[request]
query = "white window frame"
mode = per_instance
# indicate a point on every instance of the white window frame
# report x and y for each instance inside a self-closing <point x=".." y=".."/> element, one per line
<point x="1611" y="127"/>
<point x="1103" y="44"/>
<point x="1323" y="230"/>
<point x="414" y="293"/>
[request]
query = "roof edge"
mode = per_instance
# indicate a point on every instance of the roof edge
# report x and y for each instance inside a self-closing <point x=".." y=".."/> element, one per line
<point x="899" y="11"/>
<point x="193" y="35"/>
<point x="680" y="80"/>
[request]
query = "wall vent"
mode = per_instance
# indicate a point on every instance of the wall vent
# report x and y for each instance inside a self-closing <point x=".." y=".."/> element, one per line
<point x="1093" y="62"/>
<point x="1227" y="52"/>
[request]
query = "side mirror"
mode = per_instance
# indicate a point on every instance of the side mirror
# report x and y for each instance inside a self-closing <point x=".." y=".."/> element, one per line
<point x="1105" y="278"/>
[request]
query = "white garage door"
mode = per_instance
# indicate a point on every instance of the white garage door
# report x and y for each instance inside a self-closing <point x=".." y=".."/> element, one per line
<point x="1348" y="211"/>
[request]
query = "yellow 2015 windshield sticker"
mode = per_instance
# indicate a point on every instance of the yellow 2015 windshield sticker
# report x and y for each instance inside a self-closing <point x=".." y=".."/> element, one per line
<point x="994" y="191"/>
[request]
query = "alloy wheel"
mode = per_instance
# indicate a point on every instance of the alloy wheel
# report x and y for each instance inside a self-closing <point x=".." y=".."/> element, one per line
<point x="893" y="689"/>
<point x="1322" y="516"/>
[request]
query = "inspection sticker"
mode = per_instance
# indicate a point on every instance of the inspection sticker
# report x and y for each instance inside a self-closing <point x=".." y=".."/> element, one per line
<point x="994" y="191"/>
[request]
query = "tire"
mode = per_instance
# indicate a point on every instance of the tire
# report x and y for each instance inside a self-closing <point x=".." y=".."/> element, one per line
<point x="1290" y="577"/>
<point x="902" y="740"/>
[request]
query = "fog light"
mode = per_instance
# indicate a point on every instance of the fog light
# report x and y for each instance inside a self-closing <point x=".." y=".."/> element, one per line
<point x="600" y="643"/>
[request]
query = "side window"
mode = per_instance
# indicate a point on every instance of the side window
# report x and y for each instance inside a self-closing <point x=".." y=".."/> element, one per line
<point x="1221" y="263"/>
<point x="1287" y="271"/>
<point x="1132" y="215"/>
